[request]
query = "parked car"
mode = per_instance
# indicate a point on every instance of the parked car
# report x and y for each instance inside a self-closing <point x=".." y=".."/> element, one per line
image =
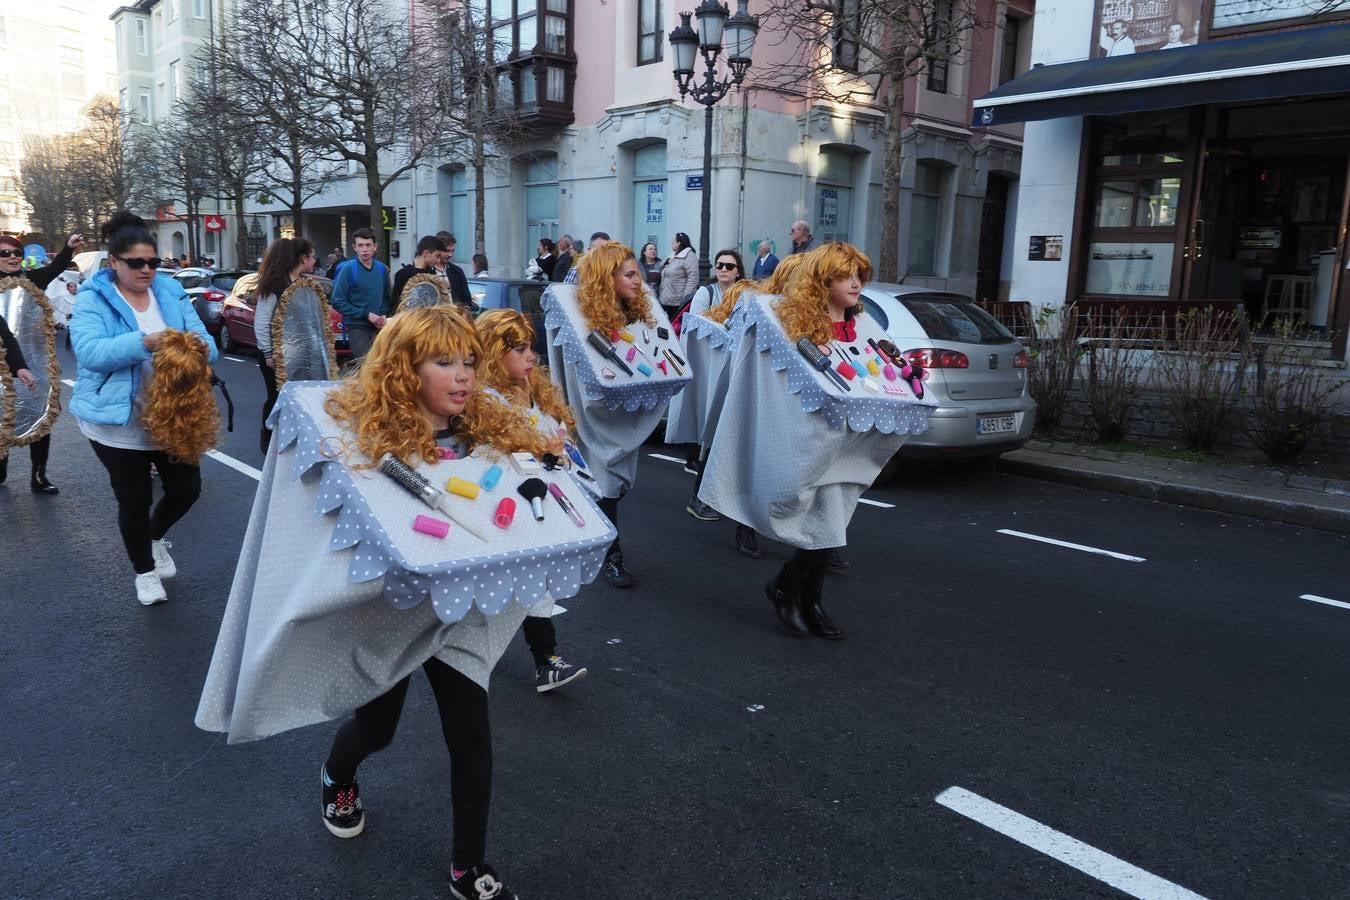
<point x="207" y="289"/>
<point x="236" y="332"/>
<point x="977" y="371"/>
<point x="521" y="295"/>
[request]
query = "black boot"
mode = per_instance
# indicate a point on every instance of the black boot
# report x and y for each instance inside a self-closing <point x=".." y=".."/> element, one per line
<point x="817" y="619"/>
<point x="837" y="561"/>
<point x="616" y="573"/>
<point x="785" y="593"/>
<point x="40" y="484"/>
<point x="746" y="542"/>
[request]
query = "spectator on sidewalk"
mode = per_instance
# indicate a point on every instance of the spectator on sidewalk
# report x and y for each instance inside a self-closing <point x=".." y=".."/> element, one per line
<point x="480" y="266"/>
<point x="765" y="261"/>
<point x="679" y="275"/>
<point x="649" y="260"/>
<point x="597" y="238"/>
<point x="429" y="250"/>
<point x="546" y="260"/>
<point x="564" y="264"/>
<point x="801" y="236"/>
<point x="361" y="293"/>
<point x="459" y="282"/>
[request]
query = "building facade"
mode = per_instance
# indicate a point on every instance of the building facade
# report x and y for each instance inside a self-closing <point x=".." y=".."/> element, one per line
<point x="160" y="48"/>
<point x="1186" y="151"/>
<point x="57" y="59"/>
<point x="614" y="149"/>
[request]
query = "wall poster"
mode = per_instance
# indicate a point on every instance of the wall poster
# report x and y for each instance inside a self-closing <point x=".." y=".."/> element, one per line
<point x="1130" y="269"/>
<point x="1124" y="27"/>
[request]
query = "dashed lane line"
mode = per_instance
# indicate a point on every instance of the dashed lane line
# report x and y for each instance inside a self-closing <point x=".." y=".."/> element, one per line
<point x="876" y="503"/>
<point x="234" y="358"/>
<point x="1327" y="600"/>
<point x="664" y="458"/>
<point x="1122" y="876"/>
<point x="235" y="464"/>
<point x="1086" y="549"/>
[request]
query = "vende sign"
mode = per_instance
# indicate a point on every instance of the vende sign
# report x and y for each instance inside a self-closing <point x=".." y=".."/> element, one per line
<point x="214" y="223"/>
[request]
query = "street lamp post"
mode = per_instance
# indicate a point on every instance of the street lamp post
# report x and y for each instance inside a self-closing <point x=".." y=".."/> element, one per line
<point x="716" y="27"/>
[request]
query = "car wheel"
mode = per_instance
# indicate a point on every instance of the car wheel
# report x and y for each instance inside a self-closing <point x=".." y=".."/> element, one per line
<point x="223" y="338"/>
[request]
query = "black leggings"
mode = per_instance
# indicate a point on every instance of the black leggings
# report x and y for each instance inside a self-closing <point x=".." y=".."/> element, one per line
<point x="610" y="507"/>
<point x="468" y="736"/>
<point x="803" y="564"/>
<point x="269" y="377"/>
<point x="129" y="472"/>
<point x="541" y="637"/>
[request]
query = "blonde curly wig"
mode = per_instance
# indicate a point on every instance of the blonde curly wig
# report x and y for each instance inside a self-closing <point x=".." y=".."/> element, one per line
<point x="380" y="402"/>
<point x="501" y="331"/>
<point x="595" y="290"/>
<point x="805" y="307"/>
<point x="774" y="284"/>
<point x="180" y="411"/>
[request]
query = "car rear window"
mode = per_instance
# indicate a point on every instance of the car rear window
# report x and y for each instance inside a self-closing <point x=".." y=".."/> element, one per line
<point x="225" y="282"/>
<point x="951" y="318"/>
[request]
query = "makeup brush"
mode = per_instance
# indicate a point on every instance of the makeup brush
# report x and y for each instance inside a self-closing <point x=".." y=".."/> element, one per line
<point x="533" y="490"/>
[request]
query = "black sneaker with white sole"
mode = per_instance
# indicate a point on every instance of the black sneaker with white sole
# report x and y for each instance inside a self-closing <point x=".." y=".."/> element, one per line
<point x="555" y="673"/>
<point x="480" y="883"/>
<point x="342" y="813"/>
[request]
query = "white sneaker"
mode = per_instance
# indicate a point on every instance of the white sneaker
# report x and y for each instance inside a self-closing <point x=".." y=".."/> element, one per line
<point x="164" y="566"/>
<point x="149" y="589"/>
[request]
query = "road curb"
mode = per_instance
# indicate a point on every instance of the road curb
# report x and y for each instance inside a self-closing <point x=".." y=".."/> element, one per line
<point x="1288" y="511"/>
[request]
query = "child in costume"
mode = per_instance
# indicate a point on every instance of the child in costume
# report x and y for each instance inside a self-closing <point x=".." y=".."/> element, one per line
<point x="508" y="371"/>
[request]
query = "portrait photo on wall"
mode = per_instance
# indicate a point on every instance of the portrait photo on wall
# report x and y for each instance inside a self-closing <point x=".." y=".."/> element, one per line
<point x="1125" y="27"/>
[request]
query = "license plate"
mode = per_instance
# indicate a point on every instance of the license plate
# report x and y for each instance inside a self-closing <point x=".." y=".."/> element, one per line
<point x="995" y="424"/>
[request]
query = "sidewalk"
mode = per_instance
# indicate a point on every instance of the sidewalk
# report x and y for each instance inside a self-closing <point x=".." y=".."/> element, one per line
<point x="1243" y="489"/>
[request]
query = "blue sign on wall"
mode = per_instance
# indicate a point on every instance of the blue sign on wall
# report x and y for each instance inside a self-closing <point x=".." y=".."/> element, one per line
<point x="693" y="182"/>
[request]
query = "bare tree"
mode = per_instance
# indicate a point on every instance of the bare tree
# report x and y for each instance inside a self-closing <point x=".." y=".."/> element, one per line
<point x="368" y="84"/>
<point x="176" y="167"/>
<point x="863" y="52"/>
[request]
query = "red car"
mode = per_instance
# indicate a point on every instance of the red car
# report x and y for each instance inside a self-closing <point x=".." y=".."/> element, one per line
<point x="236" y="318"/>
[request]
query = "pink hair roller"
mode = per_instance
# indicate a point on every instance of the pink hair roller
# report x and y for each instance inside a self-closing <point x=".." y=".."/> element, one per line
<point x="846" y="370"/>
<point x="433" y="527"/>
<point x="506" y="512"/>
<point x="632" y="352"/>
<point x="889" y="370"/>
<point x="446" y="453"/>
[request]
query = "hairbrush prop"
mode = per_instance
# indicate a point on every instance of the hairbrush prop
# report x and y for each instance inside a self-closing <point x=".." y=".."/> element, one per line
<point x="433" y="497"/>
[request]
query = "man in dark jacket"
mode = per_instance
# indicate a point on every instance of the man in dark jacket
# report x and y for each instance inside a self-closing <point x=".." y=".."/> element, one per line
<point x="801" y="236"/>
<point x="429" y="250"/>
<point x="11" y="262"/>
<point x="564" y="258"/>
<point x="459" y="282"/>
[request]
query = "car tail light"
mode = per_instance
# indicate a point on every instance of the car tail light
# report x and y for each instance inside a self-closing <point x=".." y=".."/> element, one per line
<point x="213" y="296"/>
<point x="1021" y="360"/>
<point x="933" y="358"/>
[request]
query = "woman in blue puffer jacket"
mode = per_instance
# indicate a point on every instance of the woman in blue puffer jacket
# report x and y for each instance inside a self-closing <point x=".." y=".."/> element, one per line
<point x="120" y="315"/>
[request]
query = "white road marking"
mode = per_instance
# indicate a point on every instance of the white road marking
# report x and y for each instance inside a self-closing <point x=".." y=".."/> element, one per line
<point x="235" y="359"/>
<point x="558" y="610"/>
<point x="235" y="464"/>
<point x="1122" y="876"/>
<point x="67" y="381"/>
<point x="1083" y="547"/>
<point x="674" y="459"/>
<point x="1327" y="600"/>
<point x="755" y="707"/>
<point x="614" y="641"/>
<point x="662" y="456"/>
<point x="876" y="503"/>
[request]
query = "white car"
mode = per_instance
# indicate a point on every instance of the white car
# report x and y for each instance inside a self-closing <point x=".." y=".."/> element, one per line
<point x="977" y="371"/>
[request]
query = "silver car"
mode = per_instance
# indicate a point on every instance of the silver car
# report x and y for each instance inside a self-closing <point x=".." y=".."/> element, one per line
<point x="977" y="371"/>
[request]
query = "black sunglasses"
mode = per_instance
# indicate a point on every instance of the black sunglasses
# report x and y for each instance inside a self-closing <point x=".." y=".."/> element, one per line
<point x="9" y="254"/>
<point x="726" y="267"/>
<point x="136" y="262"/>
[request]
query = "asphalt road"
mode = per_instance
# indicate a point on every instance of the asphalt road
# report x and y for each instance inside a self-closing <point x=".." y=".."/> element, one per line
<point x="1176" y="721"/>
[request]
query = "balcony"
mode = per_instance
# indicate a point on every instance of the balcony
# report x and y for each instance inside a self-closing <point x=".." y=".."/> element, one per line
<point x="537" y="75"/>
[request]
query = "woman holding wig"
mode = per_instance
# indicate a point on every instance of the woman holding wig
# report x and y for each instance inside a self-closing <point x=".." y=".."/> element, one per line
<point x="120" y="319"/>
<point x="508" y="372"/>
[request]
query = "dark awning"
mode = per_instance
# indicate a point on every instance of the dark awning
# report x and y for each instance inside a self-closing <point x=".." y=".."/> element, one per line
<point x="1285" y="64"/>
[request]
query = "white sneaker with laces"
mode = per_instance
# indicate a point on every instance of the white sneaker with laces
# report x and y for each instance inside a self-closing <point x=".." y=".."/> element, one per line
<point x="164" y="566"/>
<point x="149" y="589"/>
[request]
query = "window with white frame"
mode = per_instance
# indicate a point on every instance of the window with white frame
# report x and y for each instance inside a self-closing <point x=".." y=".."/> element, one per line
<point x="172" y="7"/>
<point x="120" y="32"/>
<point x="143" y="108"/>
<point x="925" y="220"/>
<point x="173" y="82"/>
<point x="142" y="39"/>
<point x="158" y="19"/>
<point x="199" y="9"/>
<point x="650" y="38"/>
<point x="162" y="99"/>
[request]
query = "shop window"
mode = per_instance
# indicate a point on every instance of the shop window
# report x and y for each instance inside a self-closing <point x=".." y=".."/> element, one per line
<point x="833" y="208"/>
<point x="649" y="197"/>
<point x="650" y="39"/>
<point x="925" y="220"/>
